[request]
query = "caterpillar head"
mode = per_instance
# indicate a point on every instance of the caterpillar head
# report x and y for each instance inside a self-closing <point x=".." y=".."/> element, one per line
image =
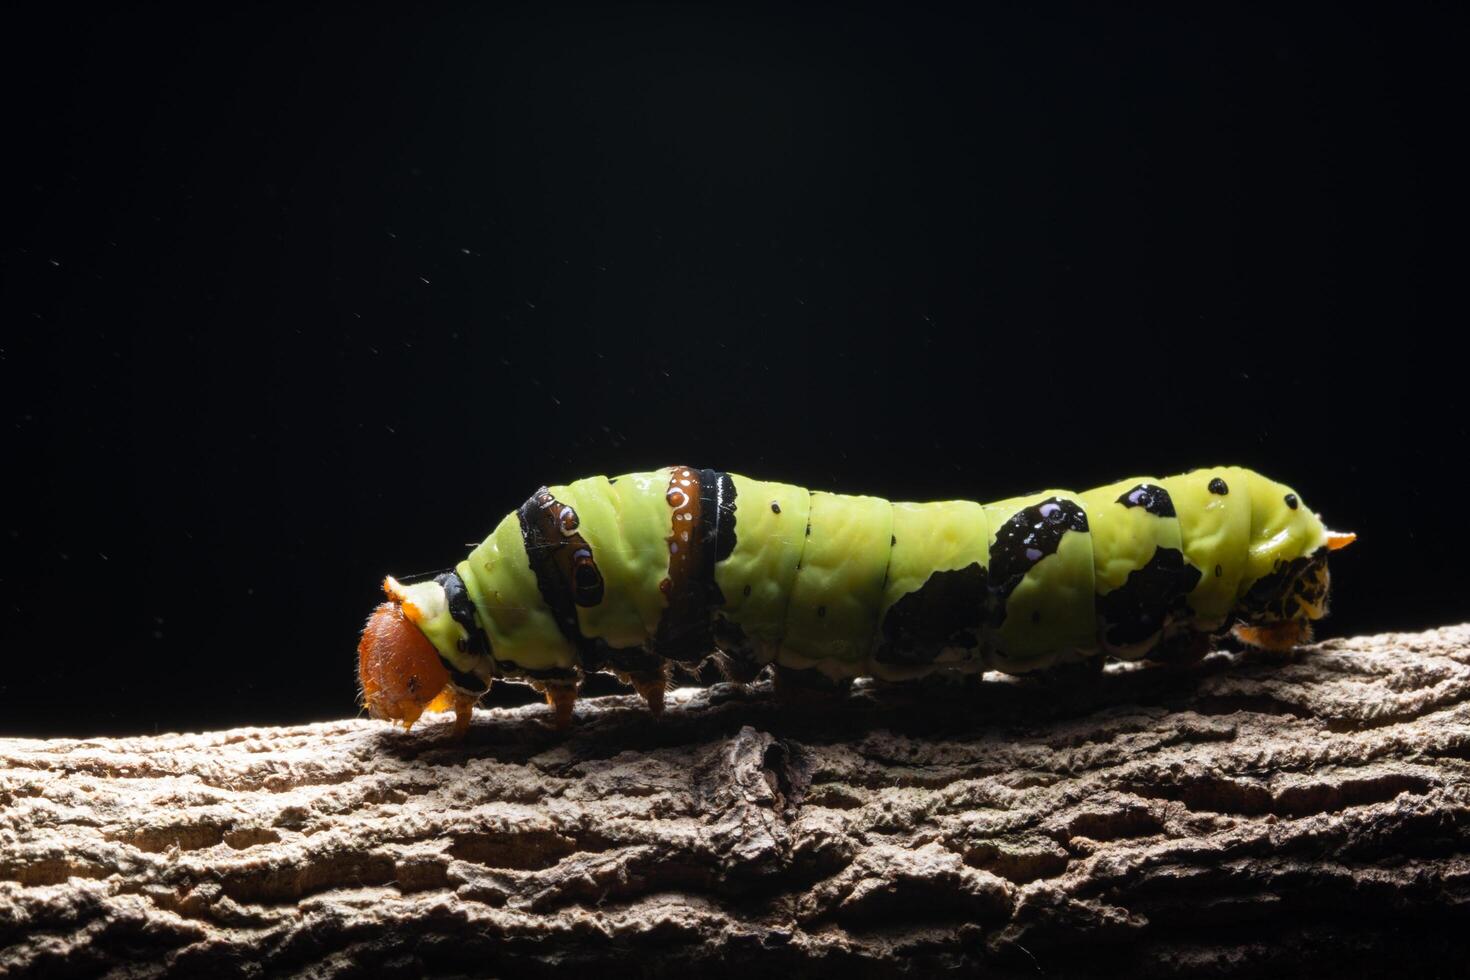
<point x="1310" y="589"/>
<point x="398" y="669"/>
<point x="1279" y="609"/>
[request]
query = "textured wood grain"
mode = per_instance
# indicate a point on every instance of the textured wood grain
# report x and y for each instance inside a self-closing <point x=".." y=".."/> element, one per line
<point x="1250" y="816"/>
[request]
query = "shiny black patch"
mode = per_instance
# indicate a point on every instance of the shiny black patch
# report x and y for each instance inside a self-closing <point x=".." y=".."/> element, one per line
<point x="476" y="643"/>
<point x="1218" y="486"/>
<point x="1292" y="501"/>
<point x="587" y="587"/>
<point x="462" y="611"/>
<point x="540" y="549"/>
<point x="549" y="532"/>
<point x="1030" y="535"/>
<point x="724" y="535"/>
<point x="946" y="611"/>
<point x="684" y="632"/>
<point x="1137" y="610"/>
<point x="1151" y="497"/>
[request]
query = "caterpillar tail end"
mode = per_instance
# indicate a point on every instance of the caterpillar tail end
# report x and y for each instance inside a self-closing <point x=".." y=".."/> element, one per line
<point x="398" y="668"/>
<point x="1275" y="637"/>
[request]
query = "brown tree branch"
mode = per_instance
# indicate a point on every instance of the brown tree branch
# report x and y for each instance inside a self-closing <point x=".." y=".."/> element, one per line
<point x="1253" y="815"/>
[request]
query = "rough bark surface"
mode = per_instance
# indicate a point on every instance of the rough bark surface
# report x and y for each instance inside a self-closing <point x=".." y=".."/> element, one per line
<point x="1252" y="815"/>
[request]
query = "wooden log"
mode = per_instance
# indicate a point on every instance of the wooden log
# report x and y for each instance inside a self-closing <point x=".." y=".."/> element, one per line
<point x="1253" y="815"/>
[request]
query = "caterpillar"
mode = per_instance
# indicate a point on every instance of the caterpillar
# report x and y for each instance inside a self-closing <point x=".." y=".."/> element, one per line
<point x="634" y="573"/>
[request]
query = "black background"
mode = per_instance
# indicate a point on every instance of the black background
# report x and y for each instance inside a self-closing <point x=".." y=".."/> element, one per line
<point x="295" y="298"/>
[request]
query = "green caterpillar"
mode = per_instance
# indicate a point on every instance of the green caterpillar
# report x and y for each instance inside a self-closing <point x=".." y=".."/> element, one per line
<point x="631" y="573"/>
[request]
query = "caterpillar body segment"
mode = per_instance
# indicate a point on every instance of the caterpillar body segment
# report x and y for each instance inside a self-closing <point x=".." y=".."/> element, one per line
<point x="635" y="573"/>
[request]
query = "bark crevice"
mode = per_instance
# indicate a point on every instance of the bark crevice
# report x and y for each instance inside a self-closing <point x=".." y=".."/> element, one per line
<point x="1257" y="814"/>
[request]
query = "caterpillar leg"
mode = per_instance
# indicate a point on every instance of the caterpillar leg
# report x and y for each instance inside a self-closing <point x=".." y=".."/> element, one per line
<point x="1276" y="637"/>
<point x="651" y="685"/>
<point x="737" y="668"/>
<point x="740" y="658"/>
<point x="1182" y="650"/>
<point x="464" y="713"/>
<point x="562" y="696"/>
<point x="463" y="706"/>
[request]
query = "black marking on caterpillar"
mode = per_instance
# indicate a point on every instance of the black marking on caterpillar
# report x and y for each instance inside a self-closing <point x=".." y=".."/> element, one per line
<point x="947" y="611"/>
<point x="474" y="643"/>
<point x="1138" y="609"/>
<point x="1030" y="535"/>
<point x="1152" y="498"/>
<point x="684" y="628"/>
<point x="558" y="554"/>
<point x="1269" y="599"/>
<point x="538" y="549"/>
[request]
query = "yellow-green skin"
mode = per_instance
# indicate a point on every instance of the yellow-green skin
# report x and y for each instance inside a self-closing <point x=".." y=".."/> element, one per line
<point x="813" y="578"/>
<point x="1050" y="614"/>
<point x="1124" y="538"/>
